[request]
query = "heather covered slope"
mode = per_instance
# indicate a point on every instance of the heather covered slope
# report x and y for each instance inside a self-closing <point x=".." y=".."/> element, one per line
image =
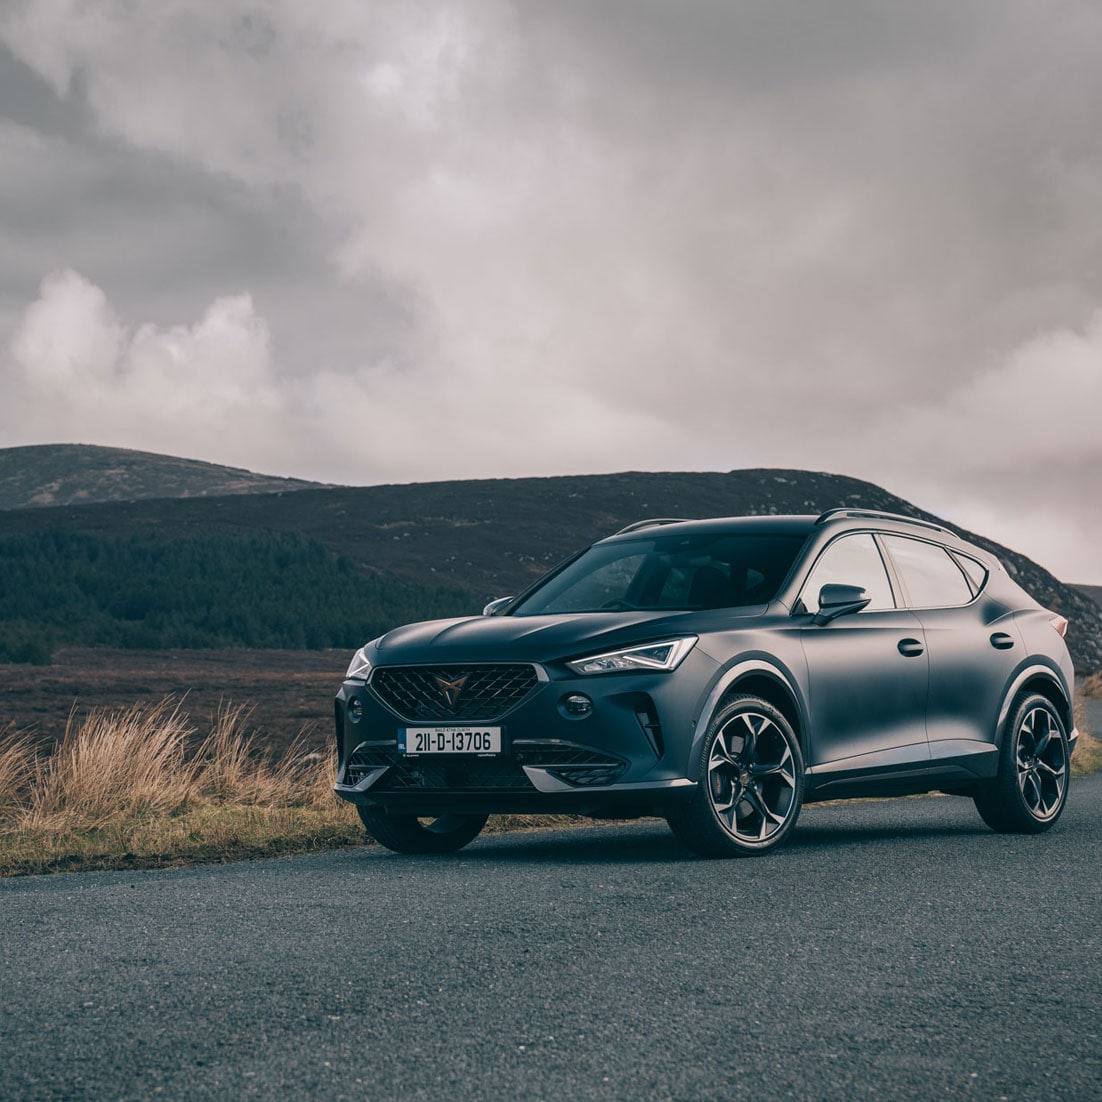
<point x="1094" y="592"/>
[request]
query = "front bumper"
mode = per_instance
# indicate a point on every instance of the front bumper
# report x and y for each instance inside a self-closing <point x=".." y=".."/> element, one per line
<point x="627" y="756"/>
<point x="613" y="801"/>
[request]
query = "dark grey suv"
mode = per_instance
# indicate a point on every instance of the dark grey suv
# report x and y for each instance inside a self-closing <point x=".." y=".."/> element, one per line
<point x="718" y="673"/>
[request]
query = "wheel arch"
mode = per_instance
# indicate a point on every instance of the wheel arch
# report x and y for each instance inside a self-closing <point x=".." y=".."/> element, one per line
<point x="773" y="691"/>
<point x="1042" y="680"/>
<point x="753" y="677"/>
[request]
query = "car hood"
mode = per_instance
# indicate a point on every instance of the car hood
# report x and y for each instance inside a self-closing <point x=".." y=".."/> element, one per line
<point x="543" y="638"/>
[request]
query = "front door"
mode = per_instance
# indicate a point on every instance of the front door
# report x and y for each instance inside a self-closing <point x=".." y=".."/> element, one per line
<point x="868" y="673"/>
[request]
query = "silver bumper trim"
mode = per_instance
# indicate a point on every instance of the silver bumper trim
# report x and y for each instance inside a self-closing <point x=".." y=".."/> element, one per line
<point x="543" y="781"/>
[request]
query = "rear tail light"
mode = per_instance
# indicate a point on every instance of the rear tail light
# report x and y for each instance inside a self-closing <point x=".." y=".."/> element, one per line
<point x="1060" y="625"/>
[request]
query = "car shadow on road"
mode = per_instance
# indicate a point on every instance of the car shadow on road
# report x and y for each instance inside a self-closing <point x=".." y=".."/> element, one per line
<point x="642" y="843"/>
<point x="652" y="843"/>
<point x="824" y="837"/>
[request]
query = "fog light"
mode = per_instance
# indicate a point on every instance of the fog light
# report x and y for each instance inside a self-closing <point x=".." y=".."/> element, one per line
<point x="355" y="709"/>
<point x="577" y="704"/>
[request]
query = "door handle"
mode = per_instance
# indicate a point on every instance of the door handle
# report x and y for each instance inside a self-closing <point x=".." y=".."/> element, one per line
<point x="1001" y="641"/>
<point x="910" y="648"/>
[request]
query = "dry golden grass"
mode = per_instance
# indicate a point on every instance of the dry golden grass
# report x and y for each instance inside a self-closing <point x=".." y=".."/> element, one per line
<point x="18" y="765"/>
<point x="130" y="764"/>
<point x="1092" y="686"/>
<point x="122" y="790"/>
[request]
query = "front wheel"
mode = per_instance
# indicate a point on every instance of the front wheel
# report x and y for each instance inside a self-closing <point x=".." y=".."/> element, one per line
<point x="751" y="783"/>
<point x="1030" y="790"/>
<point x="409" y="834"/>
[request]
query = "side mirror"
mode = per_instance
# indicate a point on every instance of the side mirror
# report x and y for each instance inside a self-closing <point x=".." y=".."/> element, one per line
<point x="494" y="607"/>
<point x="838" y="600"/>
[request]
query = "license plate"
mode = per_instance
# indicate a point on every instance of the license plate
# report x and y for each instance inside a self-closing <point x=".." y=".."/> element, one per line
<point x="449" y="740"/>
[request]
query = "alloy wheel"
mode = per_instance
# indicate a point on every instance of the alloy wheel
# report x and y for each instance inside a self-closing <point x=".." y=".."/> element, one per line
<point x="1041" y="763"/>
<point x="752" y="777"/>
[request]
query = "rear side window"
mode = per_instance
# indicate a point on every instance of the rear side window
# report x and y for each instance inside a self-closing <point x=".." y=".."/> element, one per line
<point x="931" y="577"/>
<point x="850" y="560"/>
<point x="977" y="572"/>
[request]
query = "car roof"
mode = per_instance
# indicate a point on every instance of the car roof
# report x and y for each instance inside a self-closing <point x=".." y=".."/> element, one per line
<point x="793" y="525"/>
<point x="787" y="525"/>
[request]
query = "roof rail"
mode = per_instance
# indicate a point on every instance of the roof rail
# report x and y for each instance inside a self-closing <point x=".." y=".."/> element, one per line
<point x="653" y="522"/>
<point x="879" y="514"/>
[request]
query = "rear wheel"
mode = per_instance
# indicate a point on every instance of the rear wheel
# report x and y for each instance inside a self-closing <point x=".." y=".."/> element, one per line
<point x="409" y="834"/>
<point x="1031" y="788"/>
<point x="751" y="783"/>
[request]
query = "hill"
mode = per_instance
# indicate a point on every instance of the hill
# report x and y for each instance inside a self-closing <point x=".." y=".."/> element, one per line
<point x="67" y="474"/>
<point x="431" y="548"/>
<point x="1094" y="592"/>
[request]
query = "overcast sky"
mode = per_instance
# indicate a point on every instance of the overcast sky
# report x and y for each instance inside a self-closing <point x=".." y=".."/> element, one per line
<point x="389" y="242"/>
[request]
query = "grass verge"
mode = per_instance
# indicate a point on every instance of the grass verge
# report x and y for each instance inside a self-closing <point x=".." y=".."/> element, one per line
<point x="1088" y="752"/>
<point x="136" y="789"/>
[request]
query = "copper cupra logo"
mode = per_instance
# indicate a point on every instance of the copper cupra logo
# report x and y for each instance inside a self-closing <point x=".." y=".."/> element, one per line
<point x="452" y="689"/>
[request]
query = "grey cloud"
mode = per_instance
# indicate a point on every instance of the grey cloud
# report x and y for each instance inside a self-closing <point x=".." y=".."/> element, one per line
<point x="163" y="236"/>
<point x="664" y="52"/>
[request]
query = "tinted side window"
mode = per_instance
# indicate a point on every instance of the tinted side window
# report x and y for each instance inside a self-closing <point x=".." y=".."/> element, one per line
<point x="977" y="573"/>
<point x="851" y="560"/>
<point x="930" y="575"/>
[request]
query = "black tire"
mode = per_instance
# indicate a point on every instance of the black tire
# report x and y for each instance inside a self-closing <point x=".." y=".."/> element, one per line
<point x="751" y="783"/>
<point x="1030" y="790"/>
<point x="409" y="834"/>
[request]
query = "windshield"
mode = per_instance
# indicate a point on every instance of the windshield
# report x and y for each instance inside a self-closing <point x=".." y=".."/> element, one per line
<point x="668" y="573"/>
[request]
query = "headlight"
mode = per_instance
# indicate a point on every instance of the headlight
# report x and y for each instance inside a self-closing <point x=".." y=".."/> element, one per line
<point x="666" y="655"/>
<point x="360" y="666"/>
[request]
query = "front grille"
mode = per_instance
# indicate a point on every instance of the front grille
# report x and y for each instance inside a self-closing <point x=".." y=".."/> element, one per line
<point x="454" y="773"/>
<point x="424" y="693"/>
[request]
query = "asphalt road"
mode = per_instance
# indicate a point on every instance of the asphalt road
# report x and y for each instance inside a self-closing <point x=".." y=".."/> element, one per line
<point x="895" y="949"/>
